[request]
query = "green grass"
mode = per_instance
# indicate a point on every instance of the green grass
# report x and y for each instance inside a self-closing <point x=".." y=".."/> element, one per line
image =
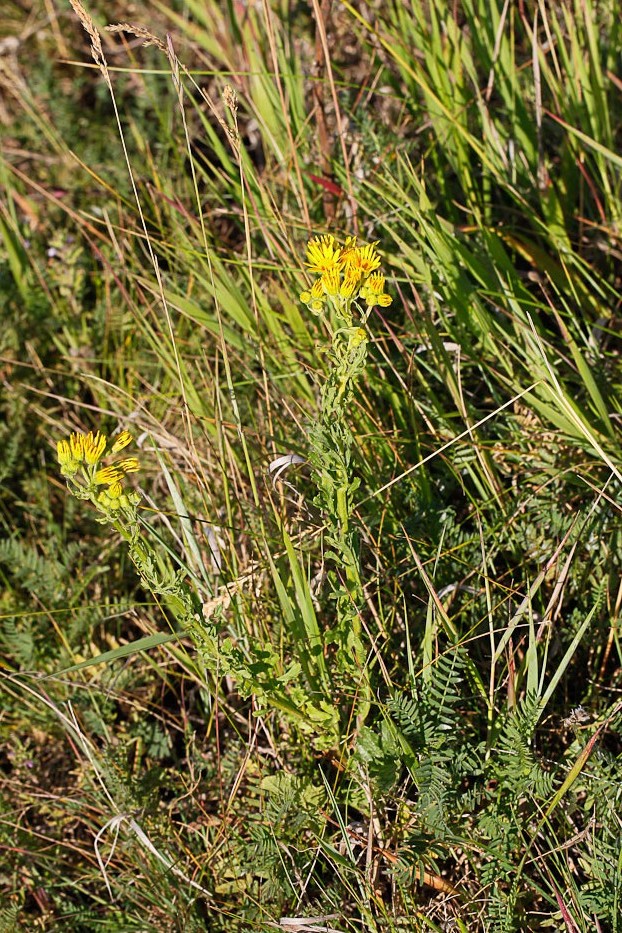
<point x="396" y="708"/>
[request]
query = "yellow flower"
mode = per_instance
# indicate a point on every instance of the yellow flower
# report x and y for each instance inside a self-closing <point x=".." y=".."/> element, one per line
<point x="374" y="284"/>
<point x="317" y="289"/>
<point x="131" y="465"/>
<point x="314" y="297"/>
<point x="76" y="442"/>
<point x="382" y="300"/>
<point x="121" y="441"/>
<point x="109" y="475"/>
<point x="346" y="272"/>
<point x="63" y="452"/>
<point x="330" y="282"/>
<point x="348" y="248"/>
<point x="323" y="255"/>
<point x="94" y="447"/>
<point x="349" y="285"/>
<point x="69" y="465"/>
<point x="116" y="471"/>
<point x="83" y="452"/>
<point x="373" y="291"/>
<point x="362" y="260"/>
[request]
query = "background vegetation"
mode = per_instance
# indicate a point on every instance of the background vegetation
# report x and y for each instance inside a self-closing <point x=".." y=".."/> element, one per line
<point x="245" y="767"/>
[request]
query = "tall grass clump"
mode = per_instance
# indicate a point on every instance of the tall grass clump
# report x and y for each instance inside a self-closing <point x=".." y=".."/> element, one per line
<point x="311" y="467"/>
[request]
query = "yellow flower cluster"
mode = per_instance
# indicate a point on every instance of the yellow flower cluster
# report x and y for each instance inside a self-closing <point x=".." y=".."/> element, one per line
<point x="345" y="273"/>
<point x="79" y="459"/>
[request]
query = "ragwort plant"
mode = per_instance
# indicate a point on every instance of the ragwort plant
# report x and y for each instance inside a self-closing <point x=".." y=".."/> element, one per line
<point x="348" y="286"/>
<point x="459" y="781"/>
<point x="256" y="669"/>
